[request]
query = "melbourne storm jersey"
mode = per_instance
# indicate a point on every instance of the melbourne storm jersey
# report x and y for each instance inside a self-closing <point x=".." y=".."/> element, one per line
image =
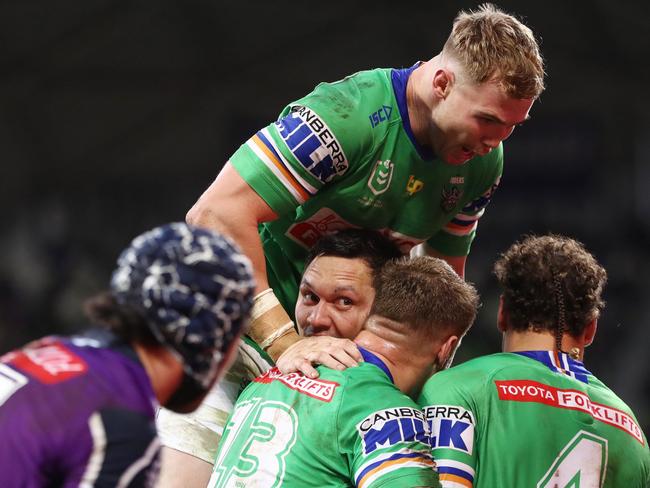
<point x="76" y="412"/>
<point x="534" y="419"/>
<point x="345" y="156"/>
<point x="345" y="428"/>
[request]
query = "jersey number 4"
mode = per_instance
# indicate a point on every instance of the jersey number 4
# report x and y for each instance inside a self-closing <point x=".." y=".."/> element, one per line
<point x="259" y="456"/>
<point x="581" y="463"/>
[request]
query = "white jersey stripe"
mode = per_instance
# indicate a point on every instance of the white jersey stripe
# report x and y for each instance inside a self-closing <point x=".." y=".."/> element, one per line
<point x="140" y="464"/>
<point x="269" y="164"/>
<point x="286" y="164"/>
<point x="390" y="468"/>
<point x="450" y="463"/>
<point x="96" y="459"/>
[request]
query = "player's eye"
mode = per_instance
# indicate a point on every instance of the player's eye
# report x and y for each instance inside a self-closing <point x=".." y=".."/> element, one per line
<point x="345" y="302"/>
<point x="310" y="298"/>
<point x="486" y="120"/>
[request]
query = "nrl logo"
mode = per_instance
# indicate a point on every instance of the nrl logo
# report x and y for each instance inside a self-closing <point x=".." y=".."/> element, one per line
<point x="450" y="198"/>
<point x="381" y="177"/>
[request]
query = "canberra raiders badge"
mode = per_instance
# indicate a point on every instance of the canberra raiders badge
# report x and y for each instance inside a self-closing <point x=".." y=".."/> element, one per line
<point x="450" y="198"/>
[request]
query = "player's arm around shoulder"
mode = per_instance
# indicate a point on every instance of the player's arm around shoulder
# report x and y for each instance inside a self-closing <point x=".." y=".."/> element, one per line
<point x="381" y="428"/>
<point x="452" y="408"/>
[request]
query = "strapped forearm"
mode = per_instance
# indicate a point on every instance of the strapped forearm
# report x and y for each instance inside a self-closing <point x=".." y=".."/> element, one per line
<point x="271" y="327"/>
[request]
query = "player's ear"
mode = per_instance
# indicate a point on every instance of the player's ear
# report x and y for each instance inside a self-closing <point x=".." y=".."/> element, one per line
<point x="447" y="350"/>
<point x="442" y="81"/>
<point x="590" y="332"/>
<point x="502" y="317"/>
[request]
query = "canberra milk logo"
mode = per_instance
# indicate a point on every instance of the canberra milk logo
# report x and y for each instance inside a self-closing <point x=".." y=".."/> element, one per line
<point x="312" y="143"/>
<point x="392" y="426"/>
<point x="451" y="427"/>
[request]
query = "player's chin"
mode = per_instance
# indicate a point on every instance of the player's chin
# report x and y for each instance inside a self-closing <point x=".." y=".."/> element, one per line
<point x="458" y="158"/>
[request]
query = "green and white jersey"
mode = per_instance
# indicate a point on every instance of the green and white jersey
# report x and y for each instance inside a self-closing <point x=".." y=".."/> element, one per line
<point x="345" y="428"/>
<point x="532" y="419"/>
<point x="345" y="156"/>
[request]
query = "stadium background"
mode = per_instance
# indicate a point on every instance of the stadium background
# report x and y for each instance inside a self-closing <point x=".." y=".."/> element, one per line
<point x="115" y="116"/>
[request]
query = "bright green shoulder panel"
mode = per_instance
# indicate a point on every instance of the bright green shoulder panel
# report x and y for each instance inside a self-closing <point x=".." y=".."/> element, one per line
<point x="317" y="139"/>
<point x="555" y="428"/>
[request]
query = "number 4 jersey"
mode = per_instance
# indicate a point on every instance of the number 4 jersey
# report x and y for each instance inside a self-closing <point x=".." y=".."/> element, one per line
<point x="345" y="428"/>
<point x="533" y="419"/>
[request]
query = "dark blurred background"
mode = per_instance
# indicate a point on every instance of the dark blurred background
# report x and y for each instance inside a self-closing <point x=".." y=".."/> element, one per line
<point x="116" y="115"/>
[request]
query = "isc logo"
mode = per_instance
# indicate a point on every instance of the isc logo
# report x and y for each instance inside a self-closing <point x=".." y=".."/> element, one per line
<point x="380" y="115"/>
<point x="392" y="426"/>
<point x="312" y="143"/>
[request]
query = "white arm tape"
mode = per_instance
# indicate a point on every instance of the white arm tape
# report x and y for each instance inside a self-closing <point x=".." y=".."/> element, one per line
<point x="285" y="329"/>
<point x="263" y="302"/>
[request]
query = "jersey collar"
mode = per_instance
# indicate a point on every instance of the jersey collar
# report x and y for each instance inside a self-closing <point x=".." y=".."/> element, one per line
<point x="559" y="362"/>
<point x="369" y="357"/>
<point x="400" y="78"/>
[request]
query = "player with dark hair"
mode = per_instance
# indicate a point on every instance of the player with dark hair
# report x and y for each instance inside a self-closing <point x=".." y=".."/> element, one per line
<point x="534" y="415"/>
<point x="414" y="153"/>
<point x="336" y="293"/>
<point x="79" y="411"/>
<point x="355" y="427"/>
<point x="334" y="298"/>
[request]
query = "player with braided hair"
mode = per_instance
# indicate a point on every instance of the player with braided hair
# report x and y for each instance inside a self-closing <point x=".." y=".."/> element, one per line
<point x="534" y="415"/>
<point x="79" y="411"/>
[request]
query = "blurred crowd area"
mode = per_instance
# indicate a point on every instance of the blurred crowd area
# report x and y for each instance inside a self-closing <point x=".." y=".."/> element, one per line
<point x="115" y="116"/>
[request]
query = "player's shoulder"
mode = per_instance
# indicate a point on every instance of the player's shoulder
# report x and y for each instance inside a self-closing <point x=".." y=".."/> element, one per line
<point x="349" y="99"/>
<point x="482" y="367"/>
<point x="471" y="375"/>
<point x="599" y="392"/>
<point x="489" y="164"/>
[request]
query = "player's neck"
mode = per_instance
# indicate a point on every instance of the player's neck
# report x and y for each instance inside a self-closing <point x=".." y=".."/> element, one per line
<point x="404" y="366"/>
<point x="418" y="105"/>
<point x="515" y="341"/>
<point x="163" y="369"/>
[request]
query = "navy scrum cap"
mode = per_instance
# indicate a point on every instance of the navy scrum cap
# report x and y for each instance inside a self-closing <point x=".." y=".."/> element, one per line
<point x="195" y="289"/>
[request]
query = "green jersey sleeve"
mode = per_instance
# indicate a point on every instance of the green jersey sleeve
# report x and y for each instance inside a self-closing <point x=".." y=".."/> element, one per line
<point x="450" y="415"/>
<point x="386" y="445"/>
<point x="314" y="143"/>
<point x="456" y="237"/>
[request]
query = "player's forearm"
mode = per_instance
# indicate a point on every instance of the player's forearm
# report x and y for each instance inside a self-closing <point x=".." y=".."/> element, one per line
<point x="456" y="262"/>
<point x="243" y="231"/>
<point x="271" y="327"/>
<point x="231" y="207"/>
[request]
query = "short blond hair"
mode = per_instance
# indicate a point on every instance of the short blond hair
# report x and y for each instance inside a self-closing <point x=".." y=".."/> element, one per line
<point x="493" y="45"/>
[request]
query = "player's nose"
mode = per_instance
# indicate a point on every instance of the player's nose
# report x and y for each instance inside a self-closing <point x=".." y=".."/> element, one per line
<point x="319" y="318"/>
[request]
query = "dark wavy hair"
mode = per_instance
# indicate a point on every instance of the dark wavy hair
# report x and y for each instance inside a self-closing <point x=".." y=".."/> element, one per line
<point x="127" y="323"/>
<point x="550" y="282"/>
<point x="371" y="246"/>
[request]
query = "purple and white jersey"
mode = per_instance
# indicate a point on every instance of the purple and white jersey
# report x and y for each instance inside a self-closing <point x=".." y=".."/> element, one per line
<point x="76" y="412"/>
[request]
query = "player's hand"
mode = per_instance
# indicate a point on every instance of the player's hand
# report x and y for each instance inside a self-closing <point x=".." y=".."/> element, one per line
<point x="328" y="351"/>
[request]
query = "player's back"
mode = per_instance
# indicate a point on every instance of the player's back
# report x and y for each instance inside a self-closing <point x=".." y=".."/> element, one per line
<point x="345" y="428"/>
<point x="532" y="419"/>
<point x="74" y="411"/>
